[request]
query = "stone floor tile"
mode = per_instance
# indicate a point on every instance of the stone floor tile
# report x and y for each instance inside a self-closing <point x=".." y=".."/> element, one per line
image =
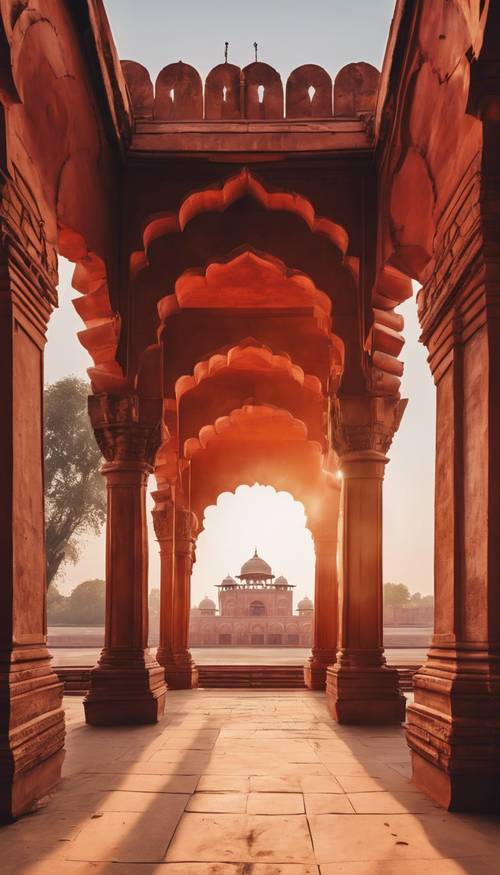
<point x="396" y="802"/>
<point x="370" y="783"/>
<point x="275" y="784"/>
<point x="275" y="803"/>
<point x="241" y="838"/>
<point x="182" y="743"/>
<point x="374" y="837"/>
<point x="464" y="866"/>
<point x="128" y="837"/>
<point x="218" y="803"/>
<point x="320" y="784"/>
<point x="327" y="803"/>
<point x="65" y="867"/>
<point x="223" y="783"/>
<point x="356" y="769"/>
<point x="128" y="800"/>
<point x="147" y="783"/>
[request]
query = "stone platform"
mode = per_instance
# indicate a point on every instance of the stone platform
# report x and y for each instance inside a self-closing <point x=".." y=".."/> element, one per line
<point x="247" y="783"/>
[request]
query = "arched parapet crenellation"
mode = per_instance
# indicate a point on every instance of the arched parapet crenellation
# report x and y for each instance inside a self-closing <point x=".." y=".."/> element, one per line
<point x="263" y="92"/>
<point x="309" y="93"/>
<point x="140" y="89"/>
<point x="355" y="90"/>
<point x="223" y="92"/>
<point x="178" y="93"/>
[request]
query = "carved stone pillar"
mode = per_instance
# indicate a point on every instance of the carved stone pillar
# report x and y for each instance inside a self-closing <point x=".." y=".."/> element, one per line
<point x="127" y="685"/>
<point x="164" y="523"/>
<point x="454" y="724"/>
<point x="183" y="674"/>
<point x="31" y="717"/>
<point x="324" y="648"/>
<point x="360" y="687"/>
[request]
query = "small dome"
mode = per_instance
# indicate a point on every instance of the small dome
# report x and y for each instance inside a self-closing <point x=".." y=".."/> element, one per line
<point x="281" y="581"/>
<point x="256" y="566"/>
<point x="305" y="604"/>
<point x="229" y="581"/>
<point x="206" y="604"/>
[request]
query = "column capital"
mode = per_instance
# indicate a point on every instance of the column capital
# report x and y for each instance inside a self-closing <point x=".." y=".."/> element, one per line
<point x="126" y="427"/>
<point x="363" y="426"/>
<point x="186" y="527"/>
<point x="163" y="515"/>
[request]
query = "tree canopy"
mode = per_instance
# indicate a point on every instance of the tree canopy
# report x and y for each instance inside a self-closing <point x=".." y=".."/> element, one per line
<point x="397" y="595"/>
<point x="85" y="606"/>
<point x="75" y="496"/>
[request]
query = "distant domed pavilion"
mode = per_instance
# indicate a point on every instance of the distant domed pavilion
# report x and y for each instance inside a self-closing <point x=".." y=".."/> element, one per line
<point x="257" y="610"/>
<point x="256" y="571"/>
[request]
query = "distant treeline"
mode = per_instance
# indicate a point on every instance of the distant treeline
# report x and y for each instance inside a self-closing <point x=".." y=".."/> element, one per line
<point x="85" y="606"/>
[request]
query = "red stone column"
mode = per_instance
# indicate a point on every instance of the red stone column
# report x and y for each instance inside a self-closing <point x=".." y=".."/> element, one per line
<point x="183" y="675"/>
<point x="454" y="724"/>
<point x="360" y="687"/>
<point x="127" y="685"/>
<point x="164" y="523"/>
<point x="31" y="717"/>
<point x="324" y="648"/>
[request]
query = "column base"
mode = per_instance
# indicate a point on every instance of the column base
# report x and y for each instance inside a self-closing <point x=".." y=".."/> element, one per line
<point x="453" y="730"/>
<point x="364" y="696"/>
<point x="32" y="730"/>
<point x="125" y="691"/>
<point x="316" y="667"/>
<point x="180" y="671"/>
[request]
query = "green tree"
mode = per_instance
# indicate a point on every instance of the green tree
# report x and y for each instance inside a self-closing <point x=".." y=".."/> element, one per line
<point x="57" y="605"/>
<point x="75" y="496"/>
<point x="396" y="595"/>
<point x="86" y="604"/>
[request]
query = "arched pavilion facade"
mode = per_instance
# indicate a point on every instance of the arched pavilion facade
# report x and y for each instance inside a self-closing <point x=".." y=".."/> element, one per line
<point x="240" y="250"/>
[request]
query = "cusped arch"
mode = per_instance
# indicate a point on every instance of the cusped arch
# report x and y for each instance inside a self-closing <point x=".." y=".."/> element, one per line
<point x="309" y="93"/>
<point x="248" y="423"/>
<point x="245" y="279"/>
<point x="231" y="488"/>
<point x="252" y="356"/>
<point x="384" y="340"/>
<point x="227" y="379"/>
<point x="178" y="93"/>
<point x="219" y="198"/>
<point x="102" y="332"/>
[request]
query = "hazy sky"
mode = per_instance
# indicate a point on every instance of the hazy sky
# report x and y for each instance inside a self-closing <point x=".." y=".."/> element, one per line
<point x="331" y="33"/>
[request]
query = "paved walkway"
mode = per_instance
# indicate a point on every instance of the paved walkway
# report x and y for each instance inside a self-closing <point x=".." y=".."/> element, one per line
<point x="253" y="783"/>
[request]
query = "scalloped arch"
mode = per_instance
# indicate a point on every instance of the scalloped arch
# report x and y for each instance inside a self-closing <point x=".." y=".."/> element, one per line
<point x="101" y="335"/>
<point x="247" y="357"/>
<point x="270" y="423"/>
<point x="247" y="279"/>
<point x="218" y="199"/>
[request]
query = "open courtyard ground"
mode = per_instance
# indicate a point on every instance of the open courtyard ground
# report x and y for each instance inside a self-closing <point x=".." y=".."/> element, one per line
<point x="246" y="783"/>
